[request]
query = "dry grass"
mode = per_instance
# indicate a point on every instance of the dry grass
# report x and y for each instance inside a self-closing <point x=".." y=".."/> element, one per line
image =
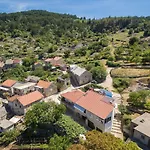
<point x="145" y="80"/>
<point x="130" y="73"/>
<point x="135" y="115"/>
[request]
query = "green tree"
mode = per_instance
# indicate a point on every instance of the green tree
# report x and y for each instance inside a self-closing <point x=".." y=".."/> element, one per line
<point x="146" y="56"/>
<point x="59" y="143"/>
<point x="68" y="126"/>
<point x="67" y="53"/>
<point x="28" y="61"/>
<point x="17" y="73"/>
<point x="139" y="99"/>
<point x="133" y="40"/>
<point x="43" y="114"/>
<point x="96" y="140"/>
<point x="99" y="73"/>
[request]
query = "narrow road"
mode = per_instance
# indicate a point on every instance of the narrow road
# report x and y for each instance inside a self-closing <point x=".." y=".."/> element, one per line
<point x="108" y="83"/>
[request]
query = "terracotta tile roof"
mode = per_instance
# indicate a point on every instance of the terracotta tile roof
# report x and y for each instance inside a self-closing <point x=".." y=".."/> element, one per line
<point x="49" y="59"/>
<point x="16" y="61"/>
<point x="73" y="96"/>
<point x="92" y="102"/>
<point x="30" y="98"/>
<point x="57" y="58"/>
<point x="9" y="83"/>
<point x="13" y="98"/>
<point x="44" y="84"/>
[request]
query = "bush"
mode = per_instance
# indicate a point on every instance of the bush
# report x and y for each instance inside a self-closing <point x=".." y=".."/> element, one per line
<point x="112" y="64"/>
<point x="127" y="120"/>
<point x="8" y="137"/>
<point x="67" y="126"/>
<point x="58" y="143"/>
<point x="133" y="40"/>
<point x="121" y="83"/>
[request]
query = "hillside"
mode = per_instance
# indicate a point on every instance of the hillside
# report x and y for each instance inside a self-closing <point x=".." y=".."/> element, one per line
<point x="41" y="34"/>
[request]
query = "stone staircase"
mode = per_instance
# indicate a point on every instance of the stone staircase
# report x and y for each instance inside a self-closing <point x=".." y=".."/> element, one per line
<point x="116" y="129"/>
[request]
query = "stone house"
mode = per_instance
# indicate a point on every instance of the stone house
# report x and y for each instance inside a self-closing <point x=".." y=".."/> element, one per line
<point x="17" y="62"/>
<point x="37" y="65"/>
<point x="7" y="87"/>
<point x="19" y="104"/>
<point x="8" y="64"/>
<point x="62" y="82"/>
<point x="3" y="113"/>
<point x="92" y="108"/>
<point x="140" y="129"/>
<point x="80" y="76"/>
<point x="46" y="88"/>
<point x="6" y="125"/>
<point x="33" y="79"/>
<point x="56" y="62"/>
<point x="23" y="88"/>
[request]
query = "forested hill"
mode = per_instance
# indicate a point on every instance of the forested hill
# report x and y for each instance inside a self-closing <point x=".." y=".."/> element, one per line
<point x="39" y="22"/>
<point x="113" y="24"/>
<point x="38" y="31"/>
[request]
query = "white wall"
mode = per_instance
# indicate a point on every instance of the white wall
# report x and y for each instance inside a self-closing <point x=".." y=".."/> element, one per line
<point x="98" y="122"/>
<point x="108" y="125"/>
<point x="23" y="91"/>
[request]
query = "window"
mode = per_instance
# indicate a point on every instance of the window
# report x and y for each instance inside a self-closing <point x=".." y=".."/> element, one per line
<point x="107" y="120"/>
<point x="15" y="104"/>
<point x="90" y="115"/>
<point x="142" y="137"/>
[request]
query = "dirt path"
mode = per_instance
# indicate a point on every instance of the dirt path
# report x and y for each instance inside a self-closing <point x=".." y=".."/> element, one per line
<point x="108" y="83"/>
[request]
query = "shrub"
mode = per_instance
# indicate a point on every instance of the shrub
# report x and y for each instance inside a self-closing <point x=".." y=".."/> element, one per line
<point x="127" y="120"/>
<point x="133" y="40"/>
<point x="58" y="143"/>
<point x="67" y="126"/>
<point x="112" y="64"/>
<point x="8" y="137"/>
<point x="121" y="83"/>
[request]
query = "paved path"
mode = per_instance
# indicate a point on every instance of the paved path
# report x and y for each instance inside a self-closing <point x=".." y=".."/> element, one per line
<point x="55" y="97"/>
<point x="108" y="84"/>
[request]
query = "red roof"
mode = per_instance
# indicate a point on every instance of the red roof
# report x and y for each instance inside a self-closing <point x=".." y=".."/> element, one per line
<point x="73" y="96"/>
<point x="16" y="61"/>
<point x="30" y="98"/>
<point x="49" y="59"/>
<point x="9" y="83"/>
<point x="93" y="102"/>
<point x="57" y="58"/>
<point x="44" y="84"/>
